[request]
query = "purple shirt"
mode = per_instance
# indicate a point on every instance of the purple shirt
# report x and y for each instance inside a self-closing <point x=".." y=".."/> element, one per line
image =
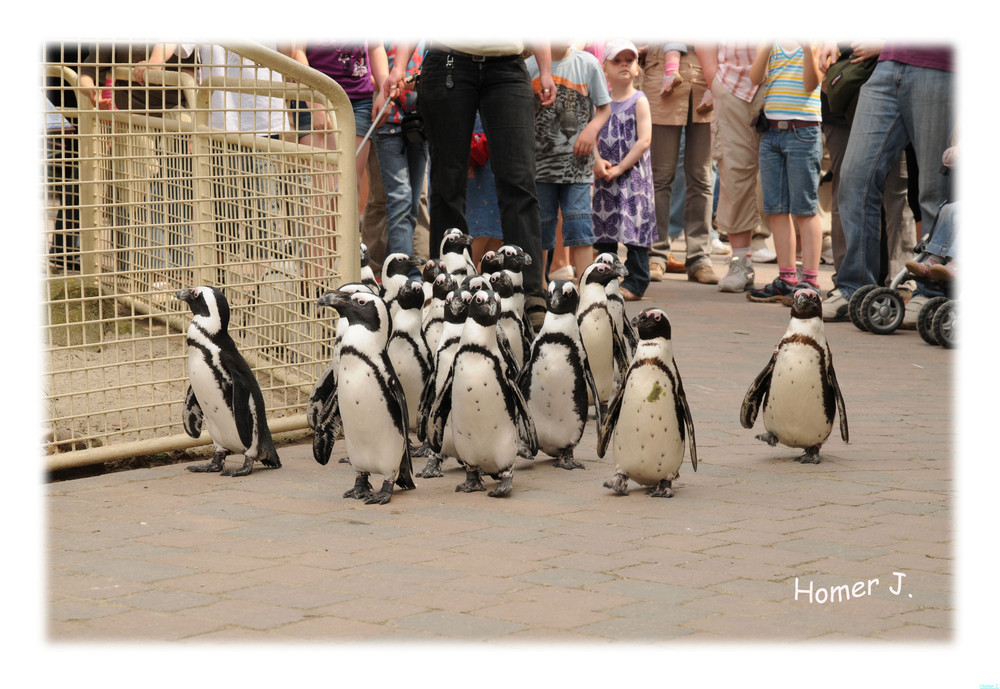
<point x="346" y="64"/>
<point x="932" y="57"/>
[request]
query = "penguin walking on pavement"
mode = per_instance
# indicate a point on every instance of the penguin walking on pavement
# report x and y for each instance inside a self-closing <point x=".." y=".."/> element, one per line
<point x="616" y="304"/>
<point x="224" y="396"/>
<point x="649" y="419"/>
<point x="456" y="309"/>
<point x="408" y="352"/>
<point x="489" y="418"/>
<point x="605" y="350"/>
<point x="454" y="252"/>
<point x="798" y="388"/>
<point x="556" y="377"/>
<point x="368" y="402"/>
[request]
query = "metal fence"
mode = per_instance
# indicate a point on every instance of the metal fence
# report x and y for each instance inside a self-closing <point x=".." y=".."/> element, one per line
<point x="194" y="175"/>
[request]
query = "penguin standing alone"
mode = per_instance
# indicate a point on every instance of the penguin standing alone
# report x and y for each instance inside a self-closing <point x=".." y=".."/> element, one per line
<point x="556" y="377"/>
<point x="223" y="395"/>
<point x="368" y="401"/>
<point x="649" y="418"/>
<point x="489" y="418"/>
<point x="798" y="388"/>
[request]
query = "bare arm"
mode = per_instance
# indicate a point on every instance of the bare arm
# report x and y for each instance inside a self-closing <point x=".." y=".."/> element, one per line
<point x="758" y="70"/>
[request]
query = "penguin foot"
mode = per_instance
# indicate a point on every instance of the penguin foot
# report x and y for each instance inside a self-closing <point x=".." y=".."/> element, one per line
<point x="383" y="496"/>
<point x="218" y="460"/>
<point x="619" y="484"/>
<point x="769" y="438"/>
<point x="472" y="483"/>
<point x="524" y="452"/>
<point x="344" y="460"/>
<point x="242" y="471"/>
<point x="661" y="490"/>
<point x="565" y="461"/>
<point x="362" y="488"/>
<point x="810" y="457"/>
<point x="433" y="467"/>
<point x="423" y="451"/>
<point x="503" y="490"/>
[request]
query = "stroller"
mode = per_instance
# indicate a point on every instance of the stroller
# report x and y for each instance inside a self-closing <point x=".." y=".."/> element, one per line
<point x="880" y="310"/>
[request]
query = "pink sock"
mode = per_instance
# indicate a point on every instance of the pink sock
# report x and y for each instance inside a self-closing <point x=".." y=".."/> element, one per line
<point x="811" y="276"/>
<point x="789" y="275"/>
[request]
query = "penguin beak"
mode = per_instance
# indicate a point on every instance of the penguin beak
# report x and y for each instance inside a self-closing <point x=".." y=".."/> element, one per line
<point x="186" y="295"/>
<point x="417" y="261"/>
<point x="334" y="299"/>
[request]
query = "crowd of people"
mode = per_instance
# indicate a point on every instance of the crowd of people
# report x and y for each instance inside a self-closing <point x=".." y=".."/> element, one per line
<point x="582" y="143"/>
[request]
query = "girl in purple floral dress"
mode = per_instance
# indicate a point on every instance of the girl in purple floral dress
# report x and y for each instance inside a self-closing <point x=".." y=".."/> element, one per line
<point x="623" y="180"/>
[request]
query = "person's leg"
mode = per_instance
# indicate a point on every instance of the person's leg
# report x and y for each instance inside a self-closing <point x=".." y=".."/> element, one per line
<point x="664" y="149"/>
<point x="877" y="139"/>
<point x="506" y="108"/>
<point x="900" y="232"/>
<point x="637" y="264"/>
<point x="395" y="174"/>
<point x="698" y="198"/>
<point x="577" y="225"/>
<point x="449" y="114"/>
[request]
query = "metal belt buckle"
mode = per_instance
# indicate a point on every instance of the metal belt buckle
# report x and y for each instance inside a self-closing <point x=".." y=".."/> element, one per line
<point x="479" y="58"/>
<point x="784" y="124"/>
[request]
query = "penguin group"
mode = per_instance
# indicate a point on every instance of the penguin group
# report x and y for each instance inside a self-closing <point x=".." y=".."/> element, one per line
<point x="440" y="353"/>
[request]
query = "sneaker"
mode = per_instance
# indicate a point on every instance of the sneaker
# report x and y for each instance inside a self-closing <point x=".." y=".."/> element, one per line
<point x="835" y="306"/>
<point x="912" y="312"/>
<point x="655" y="271"/>
<point x="776" y="291"/>
<point x="763" y="255"/>
<point x="740" y="276"/>
<point x="719" y="248"/>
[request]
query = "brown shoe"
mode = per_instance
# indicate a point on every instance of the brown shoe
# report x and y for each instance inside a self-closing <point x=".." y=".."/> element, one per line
<point x="655" y="271"/>
<point x="705" y="275"/>
<point x="674" y="266"/>
<point x="628" y="296"/>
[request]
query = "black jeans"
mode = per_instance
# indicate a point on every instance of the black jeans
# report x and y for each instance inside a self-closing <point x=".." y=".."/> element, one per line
<point x="500" y="90"/>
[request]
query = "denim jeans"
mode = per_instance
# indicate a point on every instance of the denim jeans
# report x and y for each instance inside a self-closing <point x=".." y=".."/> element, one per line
<point x="403" y="166"/>
<point x="942" y="240"/>
<point x="573" y="199"/>
<point x="500" y="90"/>
<point x="900" y="103"/>
<point x="790" y="161"/>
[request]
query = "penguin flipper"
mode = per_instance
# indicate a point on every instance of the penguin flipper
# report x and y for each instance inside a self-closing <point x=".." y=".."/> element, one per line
<point x="323" y="414"/>
<point x="507" y="352"/>
<point x="325" y="387"/>
<point x="525" y="423"/>
<point x="841" y="407"/>
<point x="438" y="413"/>
<point x="684" y="419"/>
<point x="607" y="428"/>
<point x="243" y="407"/>
<point x="588" y="376"/>
<point x="757" y="394"/>
<point x="193" y="415"/>
<point x="618" y="348"/>
<point x="629" y="335"/>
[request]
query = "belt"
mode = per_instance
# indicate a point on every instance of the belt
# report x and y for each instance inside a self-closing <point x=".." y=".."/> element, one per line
<point x="478" y="58"/>
<point x="792" y="124"/>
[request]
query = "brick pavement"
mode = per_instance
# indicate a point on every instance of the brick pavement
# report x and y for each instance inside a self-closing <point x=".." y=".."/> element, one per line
<point x="165" y="555"/>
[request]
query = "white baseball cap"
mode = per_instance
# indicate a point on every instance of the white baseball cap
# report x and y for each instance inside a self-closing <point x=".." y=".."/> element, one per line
<point x="618" y="45"/>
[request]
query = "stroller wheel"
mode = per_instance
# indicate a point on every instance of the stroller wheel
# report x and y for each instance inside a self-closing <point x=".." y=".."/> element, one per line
<point x="854" y="306"/>
<point x="926" y="317"/>
<point x="945" y="324"/>
<point x="882" y="310"/>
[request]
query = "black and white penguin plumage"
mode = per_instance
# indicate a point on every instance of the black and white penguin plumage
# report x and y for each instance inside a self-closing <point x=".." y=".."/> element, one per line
<point x="490" y="263"/>
<point x="432" y="268"/>
<point x="649" y="419"/>
<point x="434" y="315"/>
<point x="367" y="274"/>
<point x="616" y="304"/>
<point x="369" y="402"/>
<point x="396" y="272"/>
<point x="407" y="348"/>
<point x="798" y="388"/>
<point x="224" y="395"/>
<point x="454" y="252"/>
<point x="488" y="415"/>
<point x="604" y="346"/>
<point x="556" y="378"/>
<point x="512" y="324"/>
<point x="456" y="309"/>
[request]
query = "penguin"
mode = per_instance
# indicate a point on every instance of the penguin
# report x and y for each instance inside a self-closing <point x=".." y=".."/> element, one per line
<point x="367" y="274"/>
<point x="454" y="252"/>
<point x="395" y="272"/>
<point x="432" y="268"/>
<point x="616" y="304"/>
<point x="434" y="315"/>
<point x="456" y="309"/>
<point x="512" y="324"/>
<point x="488" y="415"/>
<point x="649" y="419"/>
<point x="605" y="350"/>
<point x="224" y="395"/>
<point x="370" y="405"/>
<point x="798" y="388"/>
<point x="408" y="352"/>
<point x="556" y="377"/>
<point x="325" y="390"/>
<point x="490" y="263"/>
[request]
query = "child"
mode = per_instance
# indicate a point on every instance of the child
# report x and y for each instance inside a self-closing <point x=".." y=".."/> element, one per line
<point x="565" y="138"/>
<point x="791" y="151"/>
<point x="623" y="188"/>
